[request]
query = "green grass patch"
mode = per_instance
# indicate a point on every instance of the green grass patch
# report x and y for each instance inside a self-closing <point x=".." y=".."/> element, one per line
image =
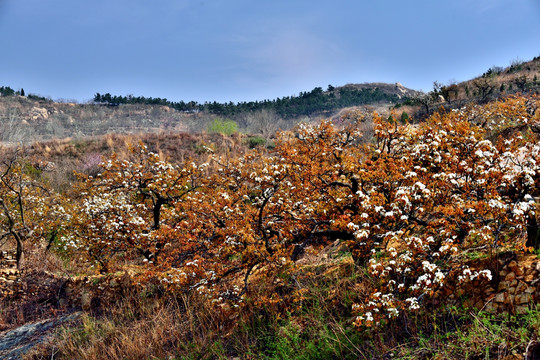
<point x="223" y="126"/>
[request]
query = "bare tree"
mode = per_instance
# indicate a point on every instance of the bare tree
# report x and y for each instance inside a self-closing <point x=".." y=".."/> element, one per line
<point x="521" y="82"/>
<point x="12" y="210"/>
<point x="264" y="122"/>
<point x="11" y="127"/>
<point x="424" y="100"/>
<point x="451" y="91"/>
<point x="485" y="86"/>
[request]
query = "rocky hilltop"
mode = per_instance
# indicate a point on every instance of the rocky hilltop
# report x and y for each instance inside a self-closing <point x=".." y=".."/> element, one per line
<point x="392" y="89"/>
<point x="26" y="119"/>
<point x="33" y="118"/>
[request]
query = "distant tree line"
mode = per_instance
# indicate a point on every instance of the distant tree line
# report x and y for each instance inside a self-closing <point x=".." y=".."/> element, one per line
<point x="306" y="103"/>
<point x="8" y="91"/>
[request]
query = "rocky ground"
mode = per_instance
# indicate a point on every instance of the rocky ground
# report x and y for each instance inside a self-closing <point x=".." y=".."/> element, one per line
<point x="45" y="301"/>
<point x="17" y="342"/>
<point x="29" y="308"/>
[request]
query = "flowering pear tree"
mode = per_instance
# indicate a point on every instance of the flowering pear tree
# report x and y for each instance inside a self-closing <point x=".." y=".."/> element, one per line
<point x="29" y="211"/>
<point x="463" y="191"/>
<point x="406" y="205"/>
<point x="128" y="208"/>
<point x="241" y="220"/>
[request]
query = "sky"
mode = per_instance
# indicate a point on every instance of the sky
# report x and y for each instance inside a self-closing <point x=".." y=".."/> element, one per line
<point x="245" y="50"/>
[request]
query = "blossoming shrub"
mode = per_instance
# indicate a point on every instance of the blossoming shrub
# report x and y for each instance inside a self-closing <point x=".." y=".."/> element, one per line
<point x="455" y="190"/>
<point x="405" y="205"/>
<point x="29" y="211"/>
<point x="127" y="210"/>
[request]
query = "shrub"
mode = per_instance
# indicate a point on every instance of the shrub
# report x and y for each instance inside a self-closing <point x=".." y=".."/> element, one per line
<point x="223" y="126"/>
<point x="403" y="205"/>
<point x="404" y="117"/>
<point x="255" y="141"/>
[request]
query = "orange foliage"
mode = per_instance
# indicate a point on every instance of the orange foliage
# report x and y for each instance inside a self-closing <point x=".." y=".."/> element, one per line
<point x="405" y="205"/>
<point x="29" y="210"/>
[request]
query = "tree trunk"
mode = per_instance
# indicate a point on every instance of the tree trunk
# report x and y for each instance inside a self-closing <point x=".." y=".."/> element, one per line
<point x="19" y="253"/>
<point x="533" y="233"/>
<point x="157" y="212"/>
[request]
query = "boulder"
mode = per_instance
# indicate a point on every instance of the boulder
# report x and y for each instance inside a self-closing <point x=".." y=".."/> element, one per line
<point x="38" y="113"/>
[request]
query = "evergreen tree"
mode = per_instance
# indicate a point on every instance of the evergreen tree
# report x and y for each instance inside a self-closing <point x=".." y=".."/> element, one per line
<point x="404" y="117"/>
<point x="7" y="91"/>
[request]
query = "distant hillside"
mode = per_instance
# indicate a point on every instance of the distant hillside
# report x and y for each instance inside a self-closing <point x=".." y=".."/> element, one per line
<point x="497" y="82"/>
<point x="519" y="77"/>
<point x="400" y="91"/>
<point x="309" y="103"/>
<point x="33" y="118"/>
<point x="30" y="119"/>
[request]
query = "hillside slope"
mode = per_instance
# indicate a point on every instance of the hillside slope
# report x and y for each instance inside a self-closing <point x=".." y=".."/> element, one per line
<point x="519" y="77"/>
<point x="28" y="119"/>
<point x="33" y="118"/>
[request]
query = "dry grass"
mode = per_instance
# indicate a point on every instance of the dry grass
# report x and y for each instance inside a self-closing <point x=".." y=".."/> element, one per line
<point x="140" y="327"/>
<point x="68" y="156"/>
<point x="313" y="323"/>
<point x="38" y="259"/>
<point x="149" y="324"/>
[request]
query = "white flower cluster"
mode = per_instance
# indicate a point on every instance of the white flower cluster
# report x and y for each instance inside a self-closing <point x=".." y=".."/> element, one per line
<point x="468" y="275"/>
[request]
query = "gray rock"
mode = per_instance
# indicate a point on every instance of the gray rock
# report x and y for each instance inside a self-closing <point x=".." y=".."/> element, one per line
<point x="16" y="342"/>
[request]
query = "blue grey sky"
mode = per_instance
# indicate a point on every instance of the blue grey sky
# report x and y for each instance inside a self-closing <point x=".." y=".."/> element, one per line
<point x="236" y="50"/>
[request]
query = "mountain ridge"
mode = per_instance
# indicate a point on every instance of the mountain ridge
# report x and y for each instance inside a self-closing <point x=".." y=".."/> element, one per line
<point x="35" y="118"/>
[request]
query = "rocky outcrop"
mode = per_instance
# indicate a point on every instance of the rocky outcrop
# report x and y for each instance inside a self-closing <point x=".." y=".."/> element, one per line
<point x="15" y="343"/>
<point x="518" y="288"/>
<point x="38" y="113"/>
<point x="10" y="277"/>
<point x="514" y="287"/>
